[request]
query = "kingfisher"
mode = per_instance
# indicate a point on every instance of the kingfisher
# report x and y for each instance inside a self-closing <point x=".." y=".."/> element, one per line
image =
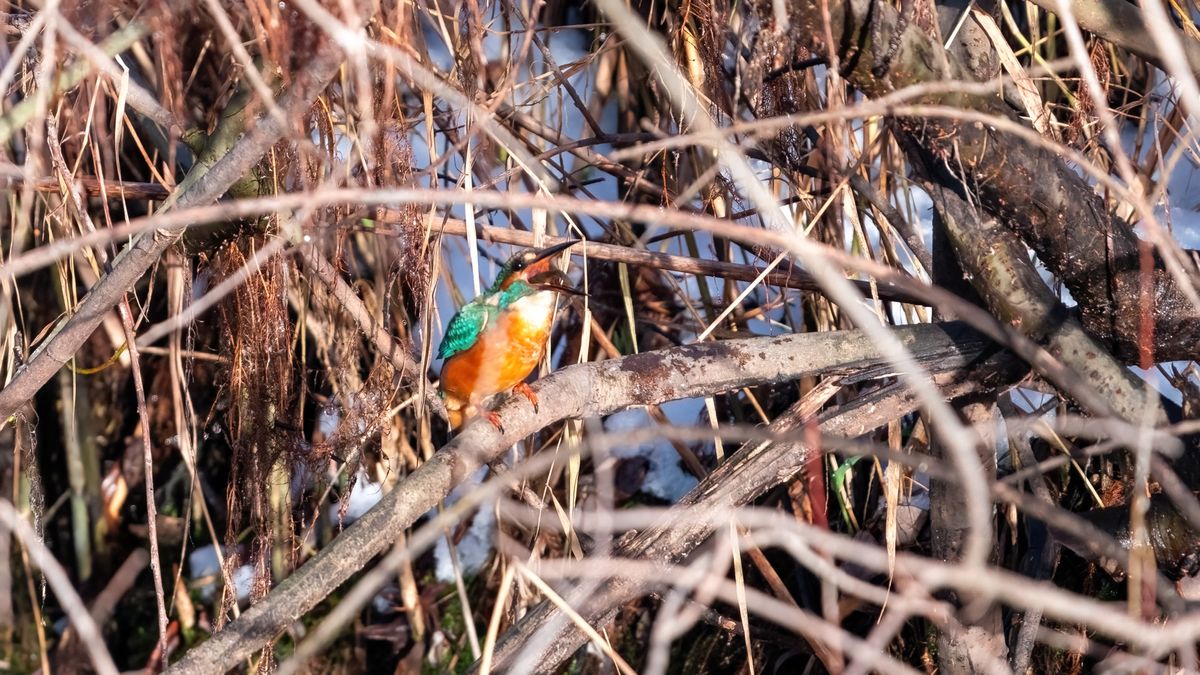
<point x="495" y="341"/>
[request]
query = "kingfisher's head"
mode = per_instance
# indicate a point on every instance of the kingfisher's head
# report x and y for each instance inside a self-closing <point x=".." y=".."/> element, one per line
<point x="530" y="264"/>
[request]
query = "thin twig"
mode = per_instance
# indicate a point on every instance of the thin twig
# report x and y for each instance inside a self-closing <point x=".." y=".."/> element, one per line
<point x="406" y="364"/>
<point x="133" y="261"/>
<point x="595" y="388"/>
<point x="148" y="478"/>
<point x="60" y="583"/>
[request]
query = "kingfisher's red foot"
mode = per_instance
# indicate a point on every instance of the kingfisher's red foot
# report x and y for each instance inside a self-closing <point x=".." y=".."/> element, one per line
<point x="494" y="418"/>
<point x="524" y="390"/>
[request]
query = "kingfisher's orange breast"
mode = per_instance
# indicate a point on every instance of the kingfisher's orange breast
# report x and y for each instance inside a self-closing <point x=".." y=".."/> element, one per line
<point x="504" y="354"/>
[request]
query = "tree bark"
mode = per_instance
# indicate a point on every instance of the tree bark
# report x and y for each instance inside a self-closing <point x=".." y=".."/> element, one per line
<point x="973" y="646"/>
<point x="1028" y="188"/>
<point x="750" y="472"/>
<point x="596" y="388"/>
<point x="204" y="184"/>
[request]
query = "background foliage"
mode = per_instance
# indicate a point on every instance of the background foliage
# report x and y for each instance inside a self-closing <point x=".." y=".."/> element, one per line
<point x="885" y="358"/>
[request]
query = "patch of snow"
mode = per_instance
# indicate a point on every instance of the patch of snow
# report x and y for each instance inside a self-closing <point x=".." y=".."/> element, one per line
<point x="202" y="562"/>
<point x="919" y="497"/>
<point x="1159" y="383"/>
<point x="328" y="420"/>
<point x="1182" y="212"/>
<point x="386" y="600"/>
<point x="665" y="477"/>
<point x="243" y="579"/>
<point x="363" y="496"/>
<point x="922" y="210"/>
<point x="1028" y="400"/>
<point x="473" y="550"/>
<point x="476" y="544"/>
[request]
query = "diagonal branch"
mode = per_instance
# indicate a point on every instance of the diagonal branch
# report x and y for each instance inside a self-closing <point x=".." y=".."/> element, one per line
<point x="1000" y="271"/>
<point x="542" y="639"/>
<point x="1122" y="24"/>
<point x="404" y="362"/>
<point x="585" y="390"/>
<point x="199" y="188"/>
<point x="1029" y="188"/>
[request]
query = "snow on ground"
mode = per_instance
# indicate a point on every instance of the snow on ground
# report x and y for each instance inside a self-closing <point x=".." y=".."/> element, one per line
<point x="476" y="545"/>
<point x="202" y="562"/>
<point x="1159" y="383"/>
<point x="1182" y="210"/>
<point x="665" y="478"/>
<point x="364" y="495"/>
<point x="473" y="550"/>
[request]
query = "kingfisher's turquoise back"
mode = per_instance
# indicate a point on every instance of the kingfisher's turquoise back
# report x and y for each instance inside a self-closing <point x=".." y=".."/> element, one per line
<point x="476" y="316"/>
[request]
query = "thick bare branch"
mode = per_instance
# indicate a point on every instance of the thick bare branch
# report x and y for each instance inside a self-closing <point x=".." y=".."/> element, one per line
<point x="585" y="390"/>
<point x="543" y="639"/>
<point x="1028" y="188"/>
<point x="1000" y="271"/>
<point x="1122" y="24"/>
<point x="137" y="257"/>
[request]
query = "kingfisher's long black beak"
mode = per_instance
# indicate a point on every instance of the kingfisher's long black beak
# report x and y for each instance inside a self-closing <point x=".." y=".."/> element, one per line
<point x="551" y="251"/>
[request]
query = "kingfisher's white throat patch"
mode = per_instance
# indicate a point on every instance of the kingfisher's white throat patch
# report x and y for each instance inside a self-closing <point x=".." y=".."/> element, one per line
<point x="537" y="308"/>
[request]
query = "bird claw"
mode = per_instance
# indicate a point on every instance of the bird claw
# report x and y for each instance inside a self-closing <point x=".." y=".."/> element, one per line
<point x="524" y="390"/>
<point x="494" y="418"/>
